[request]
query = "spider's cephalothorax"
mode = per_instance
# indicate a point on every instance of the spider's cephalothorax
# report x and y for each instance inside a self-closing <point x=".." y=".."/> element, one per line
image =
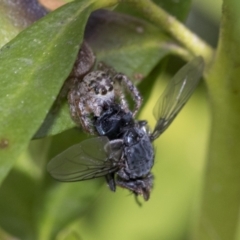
<point x="92" y="94"/>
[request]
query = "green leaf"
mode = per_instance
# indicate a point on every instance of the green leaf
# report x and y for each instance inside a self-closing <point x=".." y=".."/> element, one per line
<point x="33" y="68"/>
<point x="131" y="46"/>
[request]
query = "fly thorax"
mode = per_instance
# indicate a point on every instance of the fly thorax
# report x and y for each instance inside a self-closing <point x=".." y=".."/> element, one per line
<point x="139" y="153"/>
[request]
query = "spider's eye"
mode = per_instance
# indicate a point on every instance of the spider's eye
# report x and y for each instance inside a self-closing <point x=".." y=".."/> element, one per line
<point x="110" y="88"/>
<point x="96" y="90"/>
<point x="104" y="91"/>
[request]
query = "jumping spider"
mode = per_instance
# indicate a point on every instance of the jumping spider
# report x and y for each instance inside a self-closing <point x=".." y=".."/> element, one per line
<point x="92" y="94"/>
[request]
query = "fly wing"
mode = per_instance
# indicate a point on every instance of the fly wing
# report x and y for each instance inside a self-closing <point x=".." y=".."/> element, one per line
<point x="89" y="159"/>
<point x="178" y="91"/>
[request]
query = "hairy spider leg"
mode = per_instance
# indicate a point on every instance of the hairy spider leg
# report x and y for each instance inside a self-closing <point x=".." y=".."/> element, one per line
<point x="124" y="81"/>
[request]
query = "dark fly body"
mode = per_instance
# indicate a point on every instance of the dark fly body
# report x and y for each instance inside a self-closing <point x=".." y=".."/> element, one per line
<point x="123" y="151"/>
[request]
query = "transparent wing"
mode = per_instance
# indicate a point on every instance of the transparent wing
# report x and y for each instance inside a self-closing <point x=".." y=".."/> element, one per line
<point x="176" y="94"/>
<point x="89" y="159"/>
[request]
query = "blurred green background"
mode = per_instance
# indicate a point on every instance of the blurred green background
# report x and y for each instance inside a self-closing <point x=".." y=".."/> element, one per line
<point x="171" y="210"/>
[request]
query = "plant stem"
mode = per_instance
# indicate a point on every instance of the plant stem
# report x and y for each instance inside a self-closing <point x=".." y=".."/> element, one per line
<point x="221" y="194"/>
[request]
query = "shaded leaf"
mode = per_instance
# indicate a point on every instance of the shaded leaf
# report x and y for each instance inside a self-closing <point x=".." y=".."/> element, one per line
<point x="35" y="206"/>
<point x="28" y="212"/>
<point x="57" y="120"/>
<point x="134" y="49"/>
<point x="16" y="205"/>
<point x="131" y="46"/>
<point x="64" y="203"/>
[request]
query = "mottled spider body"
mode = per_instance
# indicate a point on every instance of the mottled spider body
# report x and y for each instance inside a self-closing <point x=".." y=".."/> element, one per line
<point x="91" y="95"/>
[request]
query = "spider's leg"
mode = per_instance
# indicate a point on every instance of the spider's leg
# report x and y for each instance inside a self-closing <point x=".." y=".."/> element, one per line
<point x="72" y="101"/>
<point x="123" y="80"/>
<point x="120" y="95"/>
<point x="79" y="113"/>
